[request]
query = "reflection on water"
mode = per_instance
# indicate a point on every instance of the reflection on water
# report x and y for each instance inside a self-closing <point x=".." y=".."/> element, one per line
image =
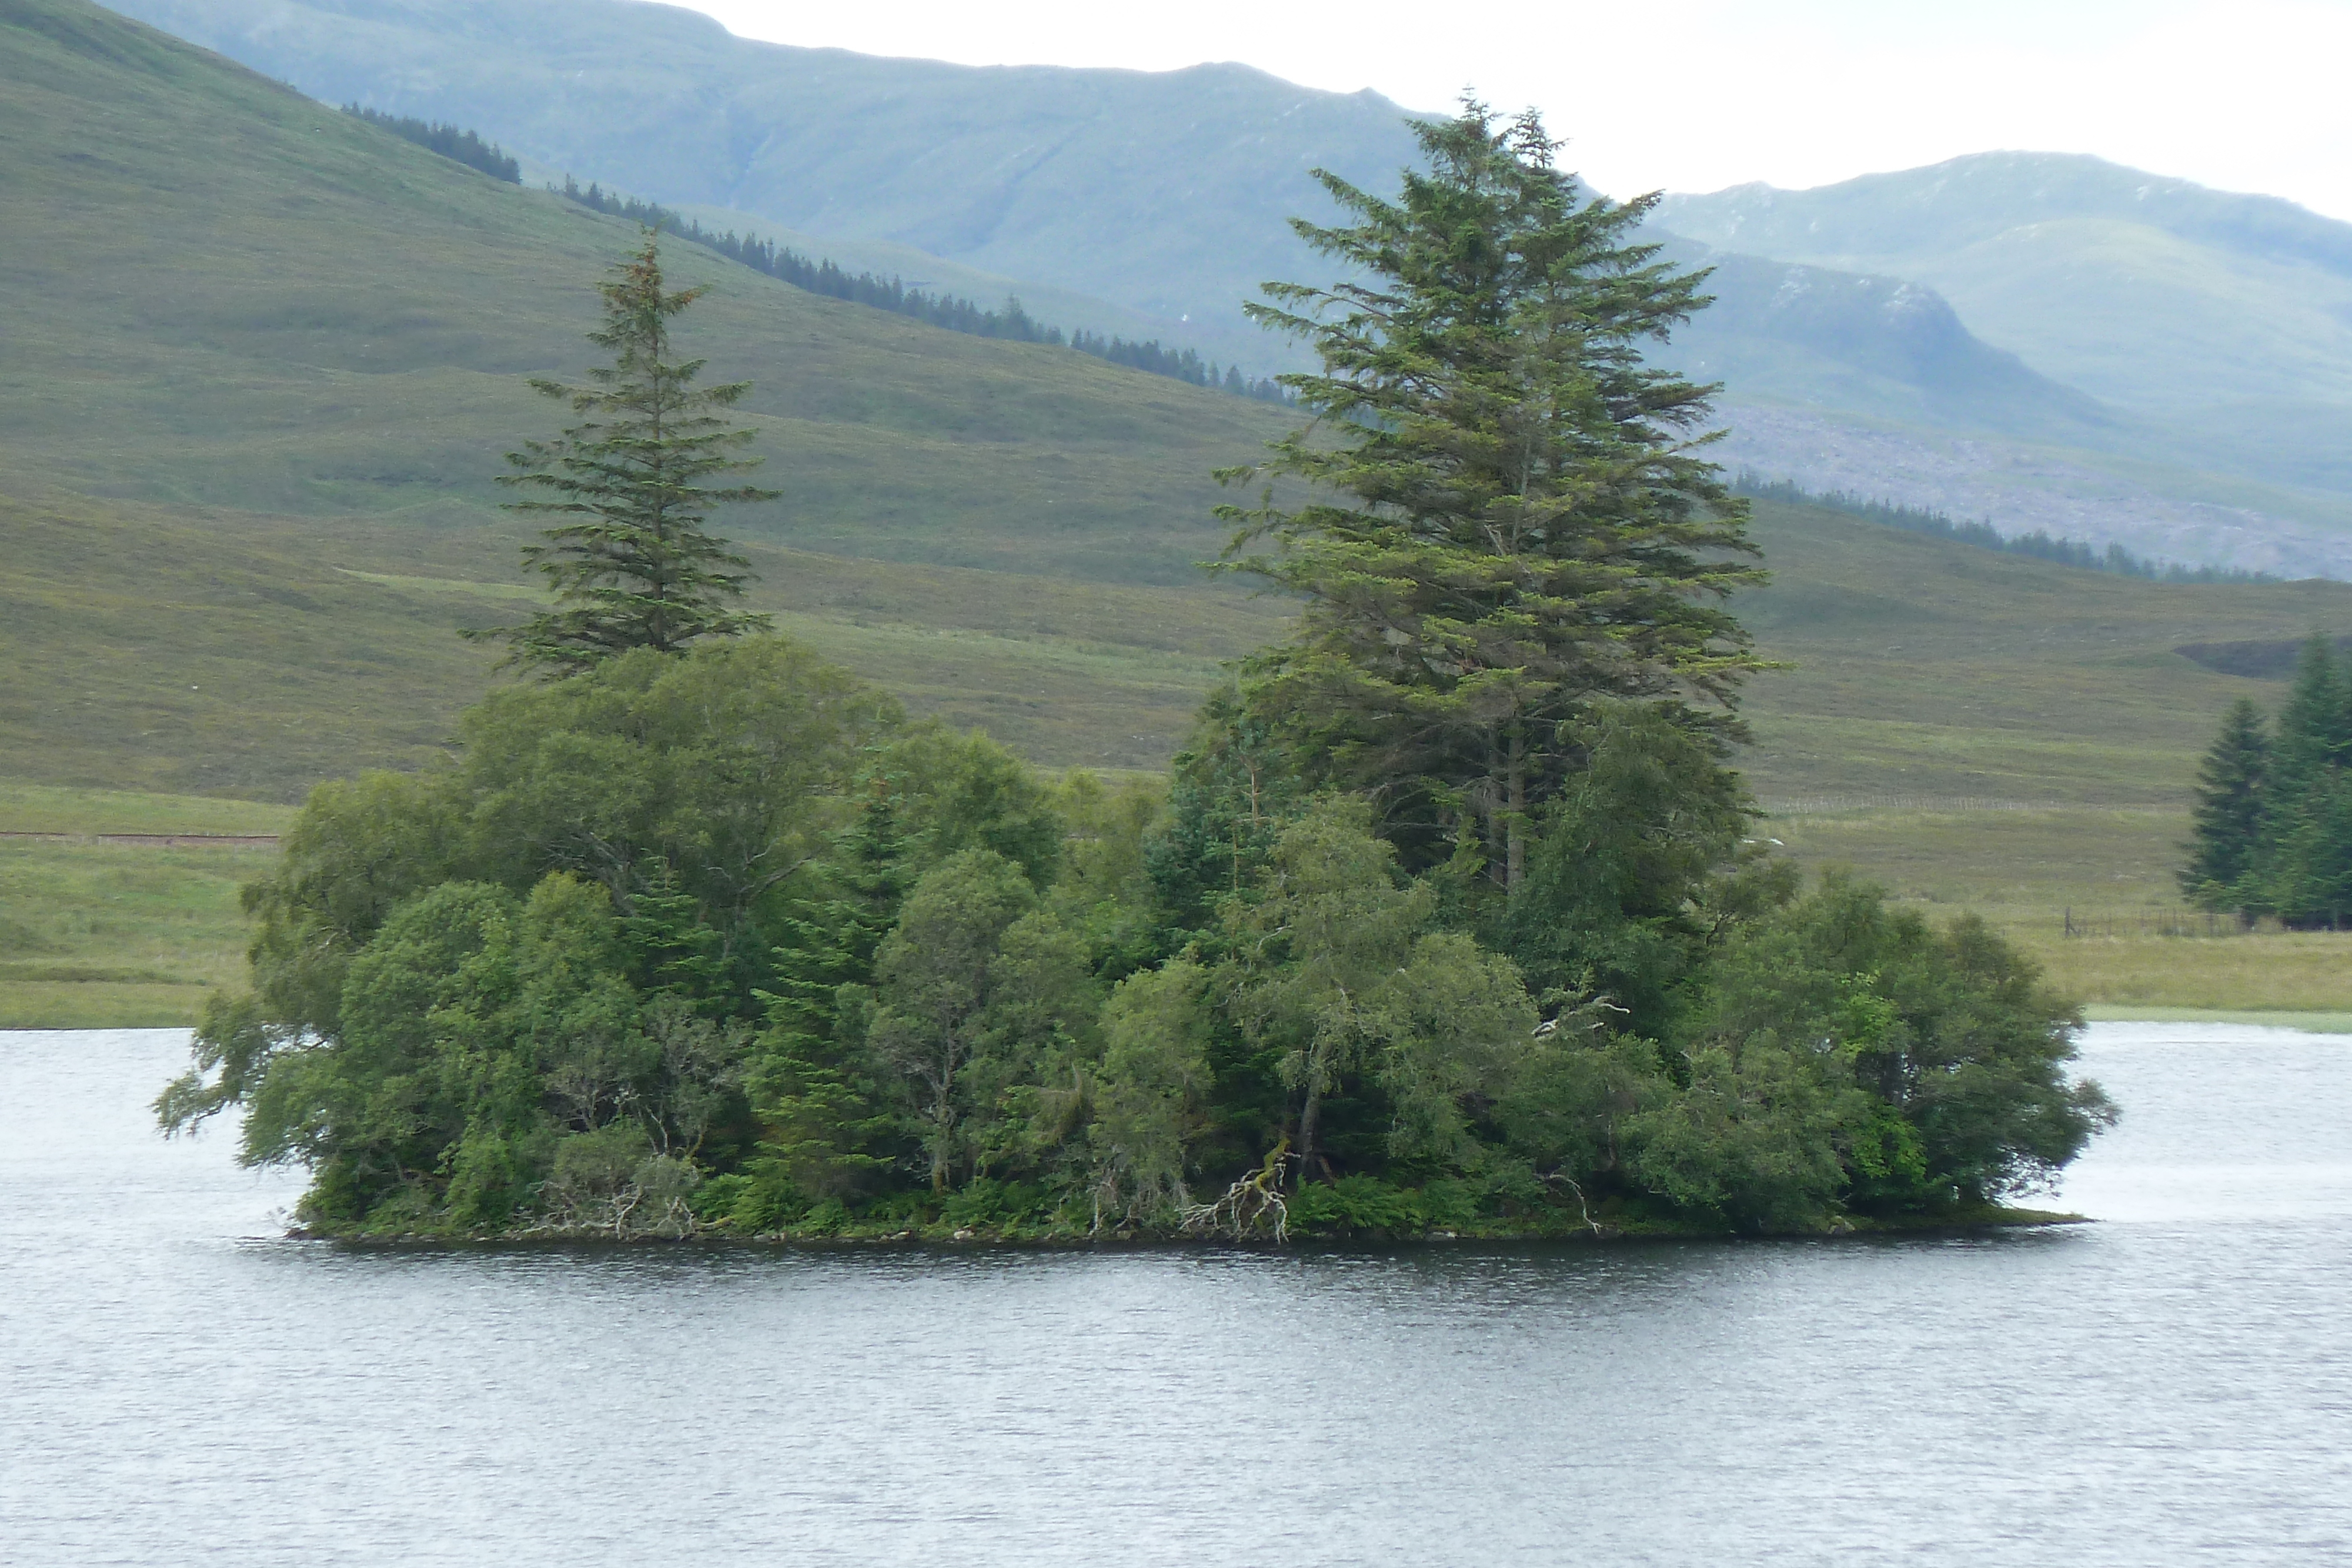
<point x="177" y="1385"/>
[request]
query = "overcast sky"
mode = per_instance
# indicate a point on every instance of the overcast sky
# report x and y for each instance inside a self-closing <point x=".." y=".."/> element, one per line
<point x="2250" y="95"/>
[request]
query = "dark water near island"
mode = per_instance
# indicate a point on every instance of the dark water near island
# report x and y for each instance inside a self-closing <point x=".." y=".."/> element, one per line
<point x="2174" y="1385"/>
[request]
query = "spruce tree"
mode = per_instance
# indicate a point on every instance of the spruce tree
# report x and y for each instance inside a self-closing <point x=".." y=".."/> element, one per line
<point x="1508" y="522"/>
<point x="630" y="563"/>
<point x="2315" y="726"/>
<point x="2302" y="866"/>
<point x="2227" y="813"/>
<point x="810" y="1084"/>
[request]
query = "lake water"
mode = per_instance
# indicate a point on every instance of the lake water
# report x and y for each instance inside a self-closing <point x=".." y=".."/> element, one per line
<point x="178" y="1385"/>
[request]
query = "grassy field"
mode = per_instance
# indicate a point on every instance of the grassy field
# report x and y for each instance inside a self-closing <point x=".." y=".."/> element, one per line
<point x="94" y="934"/>
<point x="101" y="934"/>
<point x="48" y="809"/>
<point x="2033" y="871"/>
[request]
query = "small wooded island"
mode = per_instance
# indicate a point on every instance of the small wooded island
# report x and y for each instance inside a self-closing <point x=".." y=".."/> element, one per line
<point x="1448" y="920"/>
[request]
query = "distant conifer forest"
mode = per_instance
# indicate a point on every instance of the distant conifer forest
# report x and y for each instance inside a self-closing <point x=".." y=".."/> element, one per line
<point x="2039" y="544"/>
<point x="456" y="144"/>
<point x="956" y="314"/>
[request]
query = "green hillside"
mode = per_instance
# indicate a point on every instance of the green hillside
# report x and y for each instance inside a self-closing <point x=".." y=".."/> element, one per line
<point x="1164" y="192"/>
<point x="1976" y="337"/>
<point x="268" y="356"/>
<point x="229" y="297"/>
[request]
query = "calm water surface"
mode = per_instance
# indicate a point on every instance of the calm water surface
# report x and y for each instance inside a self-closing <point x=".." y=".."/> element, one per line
<point x="177" y="1385"/>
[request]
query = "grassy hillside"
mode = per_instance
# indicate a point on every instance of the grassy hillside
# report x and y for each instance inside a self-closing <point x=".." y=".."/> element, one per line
<point x="241" y="300"/>
<point x="1162" y="192"/>
<point x="1924" y="668"/>
<point x="1167" y="195"/>
<point x="94" y="933"/>
<point x="268" y="357"/>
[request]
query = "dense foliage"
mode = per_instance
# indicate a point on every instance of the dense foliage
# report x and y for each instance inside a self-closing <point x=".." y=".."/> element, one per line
<point x="721" y="940"/>
<point x="2274" y="809"/>
<point x="951" y="311"/>
<point x="1447" y="919"/>
<point x="629" y="560"/>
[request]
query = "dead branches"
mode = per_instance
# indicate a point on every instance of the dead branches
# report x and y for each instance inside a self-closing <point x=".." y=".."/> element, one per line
<point x="1252" y="1204"/>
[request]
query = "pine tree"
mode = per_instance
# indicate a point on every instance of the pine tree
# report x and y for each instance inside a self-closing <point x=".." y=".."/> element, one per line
<point x="2315" y="726"/>
<point x="2227" y="813"/>
<point x="2302" y="865"/>
<point x="673" y="950"/>
<point x="812" y="1085"/>
<point x="1508" y="522"/>
<point x="632" y="565"/>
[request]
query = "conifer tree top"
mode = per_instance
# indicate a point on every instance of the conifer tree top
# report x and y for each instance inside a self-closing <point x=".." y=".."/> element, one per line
<point x="630" y="561"/>
<point x="1501" y="515"/>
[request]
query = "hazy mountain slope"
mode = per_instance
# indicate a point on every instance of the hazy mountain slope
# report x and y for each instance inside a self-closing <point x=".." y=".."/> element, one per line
<point x="252" y="342"/>
<point x="222" y="294"/>
<point x="264" y="358"/>
<point x="2146" y="292"/>
<point x="1810" y="335"/>
<point x="1164" y="191"/>
<point x="2215" y="327"/>
<point x="1169" y="192"/>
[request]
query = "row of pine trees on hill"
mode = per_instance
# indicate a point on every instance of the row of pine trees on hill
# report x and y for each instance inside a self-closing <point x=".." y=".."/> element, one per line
<point x="1447" y="917"/>
<point x="454" y="142"/>
<point x="2039" y="544"/>
<point x="1011" y="322"/>
<point x="2273" y="805"/>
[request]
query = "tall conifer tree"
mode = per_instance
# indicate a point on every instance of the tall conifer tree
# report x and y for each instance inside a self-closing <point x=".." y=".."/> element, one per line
<point x="2315" y="726"/>
<point x="630" y="563"/>
<point x="2227" y="813"/>
<point x="1505" y="520"/>
<point x="2303" y="869"/>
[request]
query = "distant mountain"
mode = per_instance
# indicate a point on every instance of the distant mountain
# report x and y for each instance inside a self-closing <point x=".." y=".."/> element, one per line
<point x="1811" y="335"/>
<point x="2216" y="328"/>
<point x="2052" y="342"/>
<point x="1164" y="192"/>
<point x="2197" y="307"/>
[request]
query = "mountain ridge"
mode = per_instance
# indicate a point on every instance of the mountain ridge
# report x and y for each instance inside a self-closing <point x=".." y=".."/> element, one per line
<point x="670" y="106"/>
<point x="2054" y="255"/>
<point x="1170" y="207"/>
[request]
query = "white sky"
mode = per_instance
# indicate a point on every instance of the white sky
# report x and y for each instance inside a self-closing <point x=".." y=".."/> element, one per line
<point x="2249" y="95"/>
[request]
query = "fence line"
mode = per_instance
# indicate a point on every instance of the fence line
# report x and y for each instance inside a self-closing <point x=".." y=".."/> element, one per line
<point x="1816" y="805"/>
<point x="2156" y="922"/>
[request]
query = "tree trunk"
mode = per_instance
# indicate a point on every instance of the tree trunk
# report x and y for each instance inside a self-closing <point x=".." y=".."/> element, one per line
<point x="1311" y="1117"/>
<point x="1515" y="804"/>
<point x="943" y="1122"/>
